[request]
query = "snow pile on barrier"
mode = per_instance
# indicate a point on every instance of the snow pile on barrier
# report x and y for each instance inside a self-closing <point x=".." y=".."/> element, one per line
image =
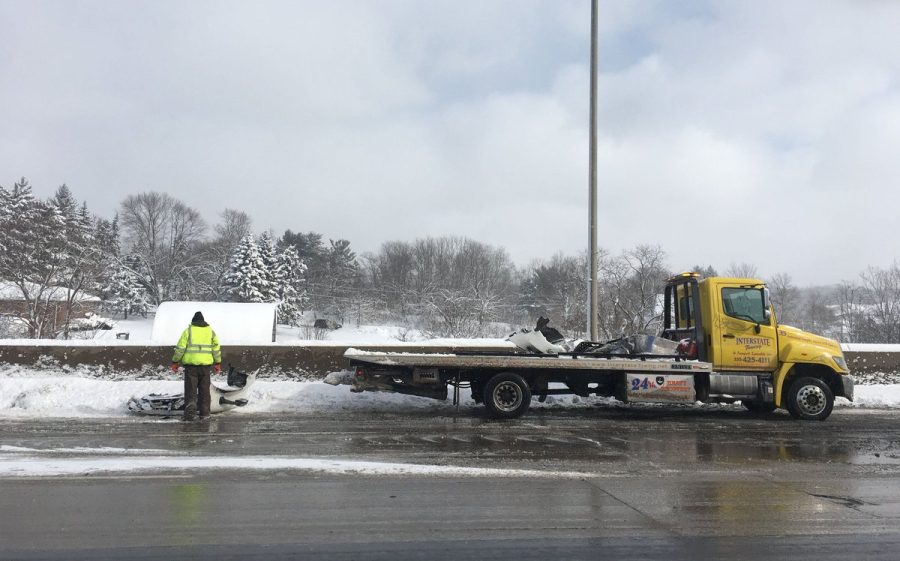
<point x="25" y="396"/>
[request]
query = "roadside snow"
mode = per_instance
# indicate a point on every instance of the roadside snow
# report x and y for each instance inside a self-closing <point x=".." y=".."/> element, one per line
<point x="870" y="348"/>
<point x="39" y="395"/>
<point x="878" y="396"/>
<point x="15" y="465"/>
<point x="83" y="450"/>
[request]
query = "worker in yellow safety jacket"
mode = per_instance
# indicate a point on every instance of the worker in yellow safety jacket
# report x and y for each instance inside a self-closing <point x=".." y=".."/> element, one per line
<point x="197" y="349"/>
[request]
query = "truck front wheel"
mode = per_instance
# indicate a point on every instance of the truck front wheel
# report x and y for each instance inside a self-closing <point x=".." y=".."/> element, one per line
<point x="507" y="396"/>
<point x="810" y="399"/>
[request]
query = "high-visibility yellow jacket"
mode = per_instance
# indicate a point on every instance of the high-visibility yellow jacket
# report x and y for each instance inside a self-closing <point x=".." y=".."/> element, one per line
<point x="198" y="346"/>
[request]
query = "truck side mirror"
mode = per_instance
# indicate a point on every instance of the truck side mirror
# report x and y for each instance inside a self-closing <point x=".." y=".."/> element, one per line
<point x="767" y="310"/>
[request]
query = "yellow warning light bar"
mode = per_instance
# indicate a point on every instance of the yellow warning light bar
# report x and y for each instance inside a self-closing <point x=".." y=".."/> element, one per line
<point x="681" y="276"/>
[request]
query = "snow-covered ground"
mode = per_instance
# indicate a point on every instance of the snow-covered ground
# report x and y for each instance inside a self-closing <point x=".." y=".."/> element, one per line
<point x="32" y="462"/>
<point x="25" y="393"/>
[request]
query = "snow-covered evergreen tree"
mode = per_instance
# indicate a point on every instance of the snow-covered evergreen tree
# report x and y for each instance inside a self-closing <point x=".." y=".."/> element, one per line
<point x="248" y="280"/>
<point x="106" y="236"/>
<point x="268" y="256"/>
<point x="259" y="272"/>
<point x="290" y="285"/>
<point x="125" y="293"/>
<point x="342" y="278"/>
<point x="33" y="236"/>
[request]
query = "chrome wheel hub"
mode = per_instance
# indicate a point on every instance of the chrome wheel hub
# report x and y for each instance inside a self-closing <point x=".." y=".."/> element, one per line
<point x="507" y="396"/>
<point x="811" y="400"/>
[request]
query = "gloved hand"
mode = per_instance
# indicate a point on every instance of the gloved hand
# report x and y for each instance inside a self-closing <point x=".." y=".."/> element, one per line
<point x="174" y="367"/>
<point x="217" y="367"/>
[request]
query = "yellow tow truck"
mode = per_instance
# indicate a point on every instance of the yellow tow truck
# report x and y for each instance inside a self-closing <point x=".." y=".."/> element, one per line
<point x="719" y="343"/>
<point x="730" y="323"/>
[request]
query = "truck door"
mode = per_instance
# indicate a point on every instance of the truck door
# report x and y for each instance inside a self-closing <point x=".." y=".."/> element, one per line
<point x="746" y="333"/>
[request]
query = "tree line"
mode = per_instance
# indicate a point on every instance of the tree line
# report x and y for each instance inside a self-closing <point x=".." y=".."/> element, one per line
<point x="53" y="252"/>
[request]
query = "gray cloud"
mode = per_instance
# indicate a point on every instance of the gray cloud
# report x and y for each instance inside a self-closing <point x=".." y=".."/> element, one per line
<point x="758" y="132"/>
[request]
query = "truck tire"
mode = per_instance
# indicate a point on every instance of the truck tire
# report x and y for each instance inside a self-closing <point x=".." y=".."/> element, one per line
<point x="810" y="399"/>
<point x="758" y="406"/>
<point x="507" y="396"/>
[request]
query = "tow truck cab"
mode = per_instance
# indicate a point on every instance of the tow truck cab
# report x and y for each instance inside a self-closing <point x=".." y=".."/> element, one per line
<point x="731" y="323"/>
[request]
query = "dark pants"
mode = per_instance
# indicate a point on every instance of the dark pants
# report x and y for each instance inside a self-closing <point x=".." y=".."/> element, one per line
<point x="196" y="391"/>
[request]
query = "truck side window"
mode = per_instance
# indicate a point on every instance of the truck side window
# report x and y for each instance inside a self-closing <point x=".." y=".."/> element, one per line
<point x="745" y="304"/>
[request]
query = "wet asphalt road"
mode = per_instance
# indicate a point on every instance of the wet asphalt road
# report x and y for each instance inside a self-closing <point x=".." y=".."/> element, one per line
<point x="660" y="483"/>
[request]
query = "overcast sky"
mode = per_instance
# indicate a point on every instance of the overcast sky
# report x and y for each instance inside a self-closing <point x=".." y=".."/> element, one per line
<point x="754" y="131"/>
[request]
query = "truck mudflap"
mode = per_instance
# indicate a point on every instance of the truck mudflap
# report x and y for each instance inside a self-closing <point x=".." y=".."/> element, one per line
<point x="847" y="387"/>
<point x="660" y="388"/>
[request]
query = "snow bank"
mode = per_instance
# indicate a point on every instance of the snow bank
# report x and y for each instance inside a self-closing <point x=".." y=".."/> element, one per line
<point x="877" y="396"/>
<point x="22" y="465"/>
<point x="64" y="396"/>
<point x="234" y="323"/>
<point x="73" y="397"/>
<point x="24" y="396"/>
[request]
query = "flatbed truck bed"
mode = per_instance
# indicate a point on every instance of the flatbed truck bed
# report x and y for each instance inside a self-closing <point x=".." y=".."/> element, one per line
<point x="505" y="382"/>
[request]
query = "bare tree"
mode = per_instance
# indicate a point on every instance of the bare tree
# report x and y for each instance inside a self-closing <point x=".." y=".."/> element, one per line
<point x="816" y="315"/>
<point x="165" y="233"/>
<point x="446" y="284"/>
<point x="392" y="275"/>
<point x="849" y="297"/>
<point x="557" y="290"/>
<point x="630" y="289"/>
<point x="785" y="297"/>
<point x="882" y="299"/>
<point x="233" y="226"/>
<point x="741" y="270"/>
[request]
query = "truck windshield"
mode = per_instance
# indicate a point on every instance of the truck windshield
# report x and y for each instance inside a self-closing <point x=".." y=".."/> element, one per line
<point x="745" y="304"/>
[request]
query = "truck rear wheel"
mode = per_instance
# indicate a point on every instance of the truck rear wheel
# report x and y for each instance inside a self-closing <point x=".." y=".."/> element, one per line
<point x="810" y="399"/>
<point x="507" y="396"/>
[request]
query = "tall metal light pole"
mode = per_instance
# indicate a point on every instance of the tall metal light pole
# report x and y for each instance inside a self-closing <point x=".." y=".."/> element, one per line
<point x="593" y="298"/>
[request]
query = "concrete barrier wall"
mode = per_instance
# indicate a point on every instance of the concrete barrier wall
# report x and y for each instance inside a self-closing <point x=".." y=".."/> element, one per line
<point x="872" y="362"/>
<point x="314" y="361"/>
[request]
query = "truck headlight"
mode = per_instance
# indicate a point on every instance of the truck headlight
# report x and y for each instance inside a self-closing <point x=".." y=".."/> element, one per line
<point x="842" y="364"/>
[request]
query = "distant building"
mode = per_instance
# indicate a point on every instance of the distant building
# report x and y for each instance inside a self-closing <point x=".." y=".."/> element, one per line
<point x="53" y="301"/>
